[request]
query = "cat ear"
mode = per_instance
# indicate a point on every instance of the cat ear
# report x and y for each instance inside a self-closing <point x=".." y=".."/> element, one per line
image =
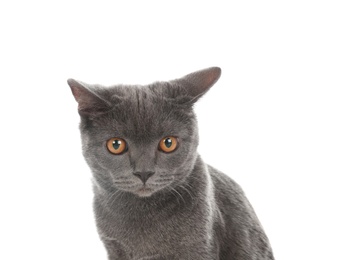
<point x="196" y="84"/>
<point x="89" y="103"/>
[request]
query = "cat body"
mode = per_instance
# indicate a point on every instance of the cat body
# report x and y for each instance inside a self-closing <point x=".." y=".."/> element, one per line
<point x="154" y="197"/>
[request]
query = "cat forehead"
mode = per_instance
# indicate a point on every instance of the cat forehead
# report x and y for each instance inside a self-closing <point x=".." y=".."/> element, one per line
<point x="140" y="100"/>
<point x="144" y="111"/>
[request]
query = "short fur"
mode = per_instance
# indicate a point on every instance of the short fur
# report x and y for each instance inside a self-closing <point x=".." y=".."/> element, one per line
<point x="187" y="209"/>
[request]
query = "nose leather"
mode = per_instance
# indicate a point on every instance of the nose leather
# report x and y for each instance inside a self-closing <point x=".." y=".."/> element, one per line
<point x="144" y="176"/>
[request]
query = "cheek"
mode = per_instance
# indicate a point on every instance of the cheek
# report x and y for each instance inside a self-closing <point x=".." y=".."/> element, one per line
<point x="116" y="164"/>
<point x="100" y="158"/>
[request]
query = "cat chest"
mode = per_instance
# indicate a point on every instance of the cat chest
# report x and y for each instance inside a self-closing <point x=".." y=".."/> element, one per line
<point x="145" y="234"/>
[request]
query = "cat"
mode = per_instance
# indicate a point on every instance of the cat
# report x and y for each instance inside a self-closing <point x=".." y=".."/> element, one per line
<point x="154" y="197"/>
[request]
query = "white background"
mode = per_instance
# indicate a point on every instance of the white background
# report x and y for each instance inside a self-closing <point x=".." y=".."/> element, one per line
<point x="271" y="122"/>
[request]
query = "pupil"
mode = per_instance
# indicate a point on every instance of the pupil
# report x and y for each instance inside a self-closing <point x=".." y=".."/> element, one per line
<point x="116" y="144"/>
<point x="168" y="142"/>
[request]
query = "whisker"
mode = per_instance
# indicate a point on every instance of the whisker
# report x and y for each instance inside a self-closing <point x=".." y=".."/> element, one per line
<point x="163" y="180"/>
<point x="123" y="182"/>
<point x="182" y="186"/>
<point x="118" y="194"/>
<point x="121" y="178"/>
<point x="112" y="195"/>
<point x="178" y="193"/>
<point x="168" y="175"/>
<point x="157" y="184"/>
<point x="178" y="199"/>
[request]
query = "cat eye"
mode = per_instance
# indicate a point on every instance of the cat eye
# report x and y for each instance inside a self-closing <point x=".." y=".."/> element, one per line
<point x="116" y="146"/>
<point x="168" y="144"/>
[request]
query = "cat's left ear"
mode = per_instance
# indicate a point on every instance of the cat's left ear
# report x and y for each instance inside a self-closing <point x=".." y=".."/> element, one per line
<point x="196" y="84"/>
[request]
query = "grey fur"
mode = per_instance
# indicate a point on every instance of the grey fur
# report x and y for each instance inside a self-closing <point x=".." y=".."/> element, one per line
<point x="191" y="210"/>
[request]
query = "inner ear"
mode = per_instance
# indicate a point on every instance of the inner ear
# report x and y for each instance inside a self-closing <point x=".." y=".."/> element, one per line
<point x="89" y="103"/>
<point x="196" y="84"/>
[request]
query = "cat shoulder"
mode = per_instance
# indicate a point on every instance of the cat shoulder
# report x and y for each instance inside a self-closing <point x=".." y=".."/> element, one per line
<point x="227" y="191"/>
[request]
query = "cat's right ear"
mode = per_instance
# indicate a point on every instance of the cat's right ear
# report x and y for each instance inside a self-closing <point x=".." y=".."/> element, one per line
<point x="89" y="103"/>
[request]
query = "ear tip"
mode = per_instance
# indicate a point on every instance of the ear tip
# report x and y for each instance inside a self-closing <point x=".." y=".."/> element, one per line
<point x="217" y="71"/>
<point x="71" y="82"/>
<point x="75" y="87"/>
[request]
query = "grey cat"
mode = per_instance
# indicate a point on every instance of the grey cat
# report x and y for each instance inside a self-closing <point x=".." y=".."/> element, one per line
<point x="155" y="198"/>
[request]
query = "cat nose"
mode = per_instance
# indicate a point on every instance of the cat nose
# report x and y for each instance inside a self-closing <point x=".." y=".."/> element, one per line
<point x="144" y="176"/>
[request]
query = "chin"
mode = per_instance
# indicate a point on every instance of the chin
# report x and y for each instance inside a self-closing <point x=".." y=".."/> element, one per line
<point x="148" y="189"/>
<point x="144" y="191"/>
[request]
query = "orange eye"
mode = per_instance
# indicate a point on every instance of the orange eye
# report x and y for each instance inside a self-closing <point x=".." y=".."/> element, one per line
<point x="116" y="145"/>
<point x="168" y="144"/>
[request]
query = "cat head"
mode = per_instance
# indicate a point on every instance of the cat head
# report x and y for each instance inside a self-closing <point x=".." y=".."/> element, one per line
<point x="141" y="139"/>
